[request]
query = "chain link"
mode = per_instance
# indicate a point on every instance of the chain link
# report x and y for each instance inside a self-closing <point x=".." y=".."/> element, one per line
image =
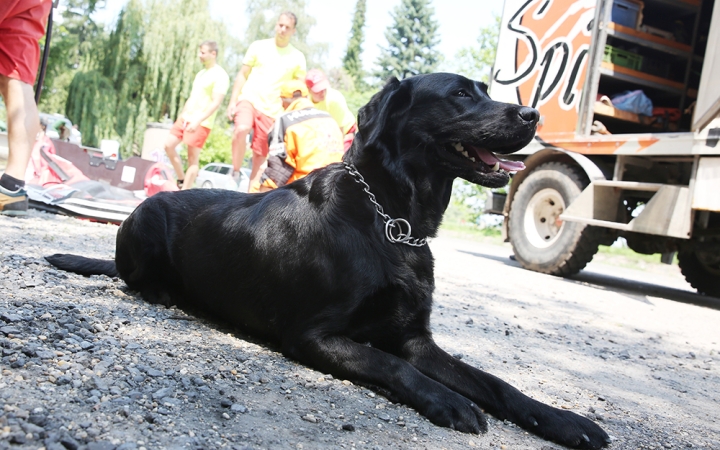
<point x="396" y="230"/>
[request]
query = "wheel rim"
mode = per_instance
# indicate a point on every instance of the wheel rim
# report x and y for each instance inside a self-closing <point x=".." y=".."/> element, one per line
<point x="207" y="185"/>
<point x="542" y="218"/>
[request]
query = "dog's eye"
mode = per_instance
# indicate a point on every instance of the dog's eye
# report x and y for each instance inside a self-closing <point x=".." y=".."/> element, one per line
<point x="461" y="93"/>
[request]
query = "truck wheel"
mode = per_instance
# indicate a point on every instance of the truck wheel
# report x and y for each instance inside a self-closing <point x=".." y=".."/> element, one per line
<point x="540" y="240"/>
<point x="702" y="270"/>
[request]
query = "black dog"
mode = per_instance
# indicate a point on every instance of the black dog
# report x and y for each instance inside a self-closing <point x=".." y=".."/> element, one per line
<point x="329" y="268"/>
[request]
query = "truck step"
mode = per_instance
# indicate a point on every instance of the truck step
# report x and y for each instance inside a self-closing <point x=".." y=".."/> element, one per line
<point x="667" y="212"/>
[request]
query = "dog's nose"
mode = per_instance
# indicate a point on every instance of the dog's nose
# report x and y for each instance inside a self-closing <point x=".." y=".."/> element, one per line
<point x="529" y="114"/>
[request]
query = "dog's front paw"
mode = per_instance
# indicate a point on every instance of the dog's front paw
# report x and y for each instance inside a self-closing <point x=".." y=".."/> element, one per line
<point x="564" y="427"/>
<point x="454" y="411"/>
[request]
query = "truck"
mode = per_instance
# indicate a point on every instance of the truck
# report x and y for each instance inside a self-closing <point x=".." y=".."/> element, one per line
<point x="627" y="144"/>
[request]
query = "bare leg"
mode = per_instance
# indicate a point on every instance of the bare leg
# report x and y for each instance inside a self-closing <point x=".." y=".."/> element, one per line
<point x="256" y="172"/>
<point x="23" y="124"/>
<point x="171" y="142"/>
<point x="239" y="145"/>
<point x="193" y="167"/>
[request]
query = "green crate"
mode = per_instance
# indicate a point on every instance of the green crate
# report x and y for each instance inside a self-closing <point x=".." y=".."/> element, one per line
<point x="622" y="58"/>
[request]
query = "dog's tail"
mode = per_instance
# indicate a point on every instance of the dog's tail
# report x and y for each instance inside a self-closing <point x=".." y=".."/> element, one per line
<point x="82" y="265"/>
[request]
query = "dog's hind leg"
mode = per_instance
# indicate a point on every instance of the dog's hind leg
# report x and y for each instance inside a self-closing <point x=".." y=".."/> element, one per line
<point x="501" y="399"/>
<point x="347" y="359"/>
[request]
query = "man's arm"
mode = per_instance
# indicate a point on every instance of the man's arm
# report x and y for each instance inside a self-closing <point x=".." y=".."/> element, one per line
<point x="216" y="101"/>
<point x="240" y="80"/>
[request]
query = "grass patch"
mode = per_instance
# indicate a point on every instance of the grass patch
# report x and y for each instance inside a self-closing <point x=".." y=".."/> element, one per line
<point x="455" y="224"/>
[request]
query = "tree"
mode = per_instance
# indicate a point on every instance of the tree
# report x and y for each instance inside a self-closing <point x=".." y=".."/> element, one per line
<point x="262" y="16"/>
<point x="352" y="62"/>
<point x="411" y="42"/>
<point x="75" y="34"/>
<point x="143" y="71"/>
<point x="91" y="104"/>
<point x="476" y="62"/>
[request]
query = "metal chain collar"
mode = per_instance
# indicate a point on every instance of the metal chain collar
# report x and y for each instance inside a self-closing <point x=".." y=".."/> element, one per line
<point x="396" y="230"/>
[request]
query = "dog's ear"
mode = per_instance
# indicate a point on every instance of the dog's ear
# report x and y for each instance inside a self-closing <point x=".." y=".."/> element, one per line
<point x="392" y="101"/>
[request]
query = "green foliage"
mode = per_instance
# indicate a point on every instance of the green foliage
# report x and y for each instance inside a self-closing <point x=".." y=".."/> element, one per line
<point x="91" y="104"/>
<point x="340" y="79"/>
<point x="357" y="99"/>
<point x="173" y="31"/>
<point x="470" y="199"/>
<point x="476" y="62"/>
<point x="263" y="15"/>
<point x="143" y="70"/>
<point x="217" y="147"/>
<point x="411" y="42"/>
<point x="75" y="36"/>
<point x="458" y="222"/>
<point x="352" y="62"/>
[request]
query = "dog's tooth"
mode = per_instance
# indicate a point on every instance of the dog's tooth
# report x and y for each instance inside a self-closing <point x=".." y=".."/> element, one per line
<point x="472" y="159"/>
<point x="458" y="146"/>
<point x="465" y="154"/>
<point x="496" y="167"/>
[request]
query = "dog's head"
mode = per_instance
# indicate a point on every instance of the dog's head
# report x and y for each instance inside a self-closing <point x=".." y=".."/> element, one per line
<point x="450" y="122"/>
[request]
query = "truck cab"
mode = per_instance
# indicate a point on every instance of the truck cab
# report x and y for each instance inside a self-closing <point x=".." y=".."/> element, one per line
<point x="627" y="145"/>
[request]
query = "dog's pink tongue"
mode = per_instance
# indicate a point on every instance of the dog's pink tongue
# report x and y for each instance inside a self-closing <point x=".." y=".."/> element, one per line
<point x="490" y="159"/>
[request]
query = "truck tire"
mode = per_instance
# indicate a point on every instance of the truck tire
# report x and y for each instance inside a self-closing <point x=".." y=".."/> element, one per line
<point x="702" y="270"/>
<point x="540" y="241"/>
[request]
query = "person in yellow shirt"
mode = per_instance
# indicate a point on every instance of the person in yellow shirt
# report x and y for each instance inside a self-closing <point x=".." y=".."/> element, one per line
<point x="198" y="114"/>
<point x="255" y="101"/>
<point x="302" y="139"/>
<point x="328" y="99"/>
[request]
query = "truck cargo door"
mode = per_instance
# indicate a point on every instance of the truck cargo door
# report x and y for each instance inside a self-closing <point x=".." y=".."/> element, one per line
<point x="542" y="59"/>
<point x="708" y="101"/>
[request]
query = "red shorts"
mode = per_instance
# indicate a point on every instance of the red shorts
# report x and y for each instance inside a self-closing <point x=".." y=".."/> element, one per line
<point x="247" y="115"/>
<point x="196" y="138"/>
<point x="22" y="24"/>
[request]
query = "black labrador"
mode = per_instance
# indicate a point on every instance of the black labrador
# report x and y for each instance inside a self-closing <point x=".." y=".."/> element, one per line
<point x="334" y="267"/>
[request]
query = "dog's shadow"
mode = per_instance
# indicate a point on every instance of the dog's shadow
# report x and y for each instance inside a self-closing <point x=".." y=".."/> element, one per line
<point x="632" y="288"/>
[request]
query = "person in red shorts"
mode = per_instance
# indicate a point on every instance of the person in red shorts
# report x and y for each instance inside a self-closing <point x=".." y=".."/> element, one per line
<point x="22" y="24"/>
<point x="255" y="99"/>
<point x="198" y="114"/>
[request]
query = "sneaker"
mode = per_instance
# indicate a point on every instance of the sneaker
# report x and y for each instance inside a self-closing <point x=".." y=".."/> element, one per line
<point x="13" y="203"/>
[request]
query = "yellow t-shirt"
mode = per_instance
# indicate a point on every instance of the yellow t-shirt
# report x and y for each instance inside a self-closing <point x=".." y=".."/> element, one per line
<point x="271" y="67"/>
<point x="336" y="105"/>
<point x="207" y="83"/>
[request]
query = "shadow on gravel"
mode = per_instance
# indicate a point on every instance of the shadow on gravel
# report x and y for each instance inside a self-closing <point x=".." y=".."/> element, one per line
<point x="634" y="287"/>
<point x="637" y="290"/>
<point x="506" y="260"/>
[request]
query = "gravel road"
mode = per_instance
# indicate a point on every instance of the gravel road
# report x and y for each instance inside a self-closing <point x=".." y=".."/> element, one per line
<point x="88" y="365"/>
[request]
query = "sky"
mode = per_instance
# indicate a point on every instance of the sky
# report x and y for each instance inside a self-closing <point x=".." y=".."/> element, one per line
<point x="459" y="22"/>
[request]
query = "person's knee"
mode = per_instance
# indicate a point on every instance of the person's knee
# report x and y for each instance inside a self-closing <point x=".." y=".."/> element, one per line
<point x="241" y="131"/>
<point x="258" y="160"/>
<point x="171" y="144"/>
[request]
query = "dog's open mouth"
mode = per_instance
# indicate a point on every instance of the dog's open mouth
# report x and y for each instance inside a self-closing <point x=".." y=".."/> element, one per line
<point x="483" y="160"/>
